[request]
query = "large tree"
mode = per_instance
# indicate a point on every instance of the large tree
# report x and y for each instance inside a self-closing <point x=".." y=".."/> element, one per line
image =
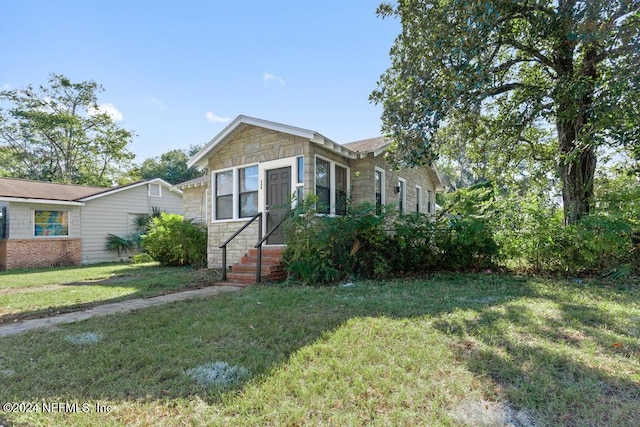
<point x="59" y="133"/>
<point x="171" y="166"/>
<point x="499" y="74"/>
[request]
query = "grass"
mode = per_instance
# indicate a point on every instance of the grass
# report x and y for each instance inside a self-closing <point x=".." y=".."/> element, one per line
<point x="449" y="350"/>
<point x="34" y="293"/>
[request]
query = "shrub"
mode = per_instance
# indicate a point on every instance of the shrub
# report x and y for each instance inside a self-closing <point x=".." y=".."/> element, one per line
<point x="360" y="244"/>
<point x="175" y="241"/>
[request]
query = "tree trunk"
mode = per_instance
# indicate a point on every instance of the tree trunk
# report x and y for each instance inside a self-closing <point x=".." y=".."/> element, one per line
<point x="577" y="166"/>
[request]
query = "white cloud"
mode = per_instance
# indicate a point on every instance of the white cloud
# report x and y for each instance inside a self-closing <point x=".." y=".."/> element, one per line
<point x="215" y="119"/>
<point x="108" y="109"/>
<point x="157" y="104"/>
<point x="272" y="78"/>
<point x="6" y="86"/>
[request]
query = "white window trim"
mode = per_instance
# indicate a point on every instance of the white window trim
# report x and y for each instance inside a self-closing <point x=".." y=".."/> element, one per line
<point x="383" y="184"/>
<point x="262" y="194"/>
<point x="33" y="224"/>
<point x="404" y="194"/>
<point x="419" y="197"/>
<point x="332" y="181"/>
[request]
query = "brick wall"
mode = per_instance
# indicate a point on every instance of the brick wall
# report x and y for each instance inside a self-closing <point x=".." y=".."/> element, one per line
<point x="30" y="253"/>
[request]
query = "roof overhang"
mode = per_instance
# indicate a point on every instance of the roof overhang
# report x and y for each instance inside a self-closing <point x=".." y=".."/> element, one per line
<point x="134" y="185"/>
<point x="41" y="201"/>
<point x="200" y="159"/>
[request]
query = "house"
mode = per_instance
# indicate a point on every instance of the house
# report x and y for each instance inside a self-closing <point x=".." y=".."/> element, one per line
<point x="47" y="224"/>
<point x="257" y="166"/>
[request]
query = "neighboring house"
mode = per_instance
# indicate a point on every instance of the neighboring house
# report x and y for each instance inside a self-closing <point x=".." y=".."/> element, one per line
<point x="260" y="166"/>
<point x="46" y="224"/>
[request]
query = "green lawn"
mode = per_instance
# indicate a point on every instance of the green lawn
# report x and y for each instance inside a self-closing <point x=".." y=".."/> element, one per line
<point x="43" y="292"/>
<point x="449" y="350"/>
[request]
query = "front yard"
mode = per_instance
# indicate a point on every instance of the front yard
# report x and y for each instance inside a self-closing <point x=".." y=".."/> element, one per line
<point x="35" y="293"/>
<point x="449" y="350"/>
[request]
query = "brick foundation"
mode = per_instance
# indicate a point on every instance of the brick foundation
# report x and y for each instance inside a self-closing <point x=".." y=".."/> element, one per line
<point x="33" y="253"/>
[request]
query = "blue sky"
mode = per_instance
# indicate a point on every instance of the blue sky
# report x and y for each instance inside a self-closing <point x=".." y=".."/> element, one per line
<point x="178" y="71"/>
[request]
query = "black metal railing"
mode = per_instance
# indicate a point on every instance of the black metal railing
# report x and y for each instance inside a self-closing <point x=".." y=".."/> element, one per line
<point x="258" y="246"/>
<point x="240" y="230"/>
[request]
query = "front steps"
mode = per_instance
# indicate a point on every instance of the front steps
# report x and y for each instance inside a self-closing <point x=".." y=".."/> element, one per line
<point x="272" y="269"/>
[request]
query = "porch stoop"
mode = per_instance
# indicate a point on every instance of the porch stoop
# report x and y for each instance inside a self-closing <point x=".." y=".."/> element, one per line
<point x="272" y="269"/>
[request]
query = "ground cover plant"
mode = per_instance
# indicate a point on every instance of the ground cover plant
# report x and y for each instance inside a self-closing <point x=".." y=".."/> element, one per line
<point x="34" y="293"/>
<point x="453" y="349"/>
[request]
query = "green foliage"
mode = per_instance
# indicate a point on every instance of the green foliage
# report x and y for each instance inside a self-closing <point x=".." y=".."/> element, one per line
<point x="464" y="231"/>
<point x="531" y="233"/>
<point x="120" y="245"/>
<point x="61" y="134"/>
<point x="170" y="166"/>
<point x="490" y="79"/>
<point x="175" y="241"/>
<point x="142" y="258"/>
<point x="323" y="249"/>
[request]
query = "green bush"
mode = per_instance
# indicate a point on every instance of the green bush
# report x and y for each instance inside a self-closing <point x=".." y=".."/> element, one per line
<point x="174" y="241"/>
<point x="361" y="244"/>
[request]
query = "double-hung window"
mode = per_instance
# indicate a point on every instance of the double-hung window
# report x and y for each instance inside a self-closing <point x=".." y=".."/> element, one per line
<point x="323" y="185"/>
<point x="428" y="201"/>
<point x="332" y="184"/>
<point x="248" y="191"/>
<point x="418" y="199"/>
<point x="224" y="195"/>
<point x="236" y="193"/>
<point x="50" y="223"/>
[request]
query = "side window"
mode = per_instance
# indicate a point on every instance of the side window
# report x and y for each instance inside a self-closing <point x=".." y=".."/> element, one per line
<point x="323" y="185"/>
<point x="50" y="223"/>
<point x="224" y="195"/>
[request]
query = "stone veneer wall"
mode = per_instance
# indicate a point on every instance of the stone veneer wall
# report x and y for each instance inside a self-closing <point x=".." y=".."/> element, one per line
<point x="33" y="253"/>
<point x="221" y="231"/>
<point x="196" y="203"/>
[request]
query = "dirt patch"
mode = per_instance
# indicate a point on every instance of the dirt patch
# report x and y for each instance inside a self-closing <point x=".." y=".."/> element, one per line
<point x="30" y="290"/>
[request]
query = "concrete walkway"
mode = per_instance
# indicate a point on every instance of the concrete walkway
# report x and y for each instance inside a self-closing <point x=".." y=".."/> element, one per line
<point x="117" y="307"/>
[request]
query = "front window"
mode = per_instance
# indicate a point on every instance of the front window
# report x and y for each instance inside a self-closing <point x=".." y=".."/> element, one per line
<point x="224" y="195"/>
<point x="248" y="191"/>
<point x="429" y="201"/>
<point x="341" y="190"/>
<point x="323" y="185"/>
<point x="300" y="181"/>
<point x="51" y="223"/>
<point x="418" y="199"/>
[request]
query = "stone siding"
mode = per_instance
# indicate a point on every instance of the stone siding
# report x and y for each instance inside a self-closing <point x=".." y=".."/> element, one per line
<point x="221" y="231"/>
<point x="196" y="203"/>
<point x="255" y="145"/>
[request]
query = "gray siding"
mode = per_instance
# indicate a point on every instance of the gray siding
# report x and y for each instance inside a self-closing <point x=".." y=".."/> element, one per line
<point x="20" y="218"/>
<point x="112" y="213"/>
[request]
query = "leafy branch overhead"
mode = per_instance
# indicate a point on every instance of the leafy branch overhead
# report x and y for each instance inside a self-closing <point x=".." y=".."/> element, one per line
<point x="60" y="133"/>
<point x="500" y="74"/>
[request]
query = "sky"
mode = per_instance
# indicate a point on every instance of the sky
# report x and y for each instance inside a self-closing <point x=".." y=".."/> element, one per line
<point x="176" y="72"/>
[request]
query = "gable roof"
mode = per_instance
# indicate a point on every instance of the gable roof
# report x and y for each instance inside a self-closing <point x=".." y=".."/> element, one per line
<point x="200" y="158"/>
<point x="375" y="145"/>
<point x="25" y="190"/>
